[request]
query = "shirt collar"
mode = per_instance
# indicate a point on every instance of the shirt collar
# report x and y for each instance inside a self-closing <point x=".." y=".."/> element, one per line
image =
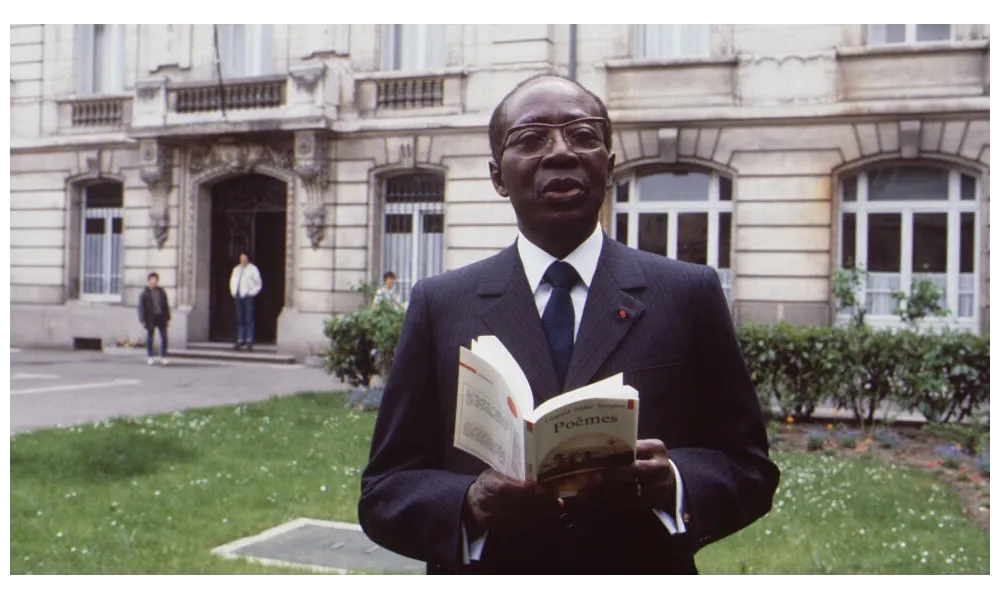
<point x="584" y="258"/>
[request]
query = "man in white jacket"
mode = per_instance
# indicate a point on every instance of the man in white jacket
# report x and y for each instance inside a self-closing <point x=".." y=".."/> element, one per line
<point x="244" y="284"/>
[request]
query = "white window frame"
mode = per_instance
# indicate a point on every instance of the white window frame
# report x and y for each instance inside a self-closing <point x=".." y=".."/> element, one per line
<point x="711" y="206"/>
<point x="679" y="33"/>
<point x="416" y="211"/>
<point x="108" y="214"/>
<point x="953" y="206"/>
<point x="423" y="38"/>
<point x="105" y="76"/>
<point x="246" y="51"/>
<point x="910" y="37"/>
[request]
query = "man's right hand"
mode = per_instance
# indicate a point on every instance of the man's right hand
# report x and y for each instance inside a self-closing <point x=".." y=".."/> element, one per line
<point x="494" y="500"/>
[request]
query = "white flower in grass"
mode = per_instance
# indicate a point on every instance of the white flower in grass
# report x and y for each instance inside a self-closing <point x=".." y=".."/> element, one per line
<point x="322" y="488"/>
<point x="59" y="534"/>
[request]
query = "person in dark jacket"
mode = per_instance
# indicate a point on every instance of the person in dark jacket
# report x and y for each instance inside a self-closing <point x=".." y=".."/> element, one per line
<point x="154" y="314"/>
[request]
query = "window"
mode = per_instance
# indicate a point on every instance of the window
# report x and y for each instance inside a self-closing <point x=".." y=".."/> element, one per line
<point x="412" y="228"/>
<point x="245" y="50"/>
<point x="685" y="215"/>
<point x="100" y="55"/>
<point x="413" y="47"/>
<point x="672" y="41"/>
<point x="903" y="223"/>
<point x="101" y="252"/>
<point x="908" y="34"/>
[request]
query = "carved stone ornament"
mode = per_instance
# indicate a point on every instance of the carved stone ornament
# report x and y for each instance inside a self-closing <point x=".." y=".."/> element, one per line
<point x="154" y="169"/>
<point x="307" y="76"/>
<point x="311" y="166"/>
<point x="243" y="158"/>
<point x="160" y="223"/>
<point x="315" y="224"/>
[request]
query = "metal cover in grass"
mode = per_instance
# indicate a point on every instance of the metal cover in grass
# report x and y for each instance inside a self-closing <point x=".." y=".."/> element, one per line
<point x="319" y="545"/>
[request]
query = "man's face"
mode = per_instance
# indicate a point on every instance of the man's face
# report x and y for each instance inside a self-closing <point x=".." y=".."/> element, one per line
<point x="556" y="177"/>
<point x="389" y="282"/>
<point x="244" y="259"/>
<point x="153" y="282"/>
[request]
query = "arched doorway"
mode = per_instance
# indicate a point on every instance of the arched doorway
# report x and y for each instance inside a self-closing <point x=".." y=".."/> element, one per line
<point x="249" y="215"/>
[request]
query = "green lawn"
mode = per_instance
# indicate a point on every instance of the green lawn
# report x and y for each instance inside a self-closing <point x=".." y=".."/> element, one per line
<point x="155" y="495"/>
<point x="837" y="516"/>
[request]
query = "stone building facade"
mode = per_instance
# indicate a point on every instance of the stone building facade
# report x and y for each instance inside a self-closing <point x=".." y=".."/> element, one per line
<point x="335" y="152"/>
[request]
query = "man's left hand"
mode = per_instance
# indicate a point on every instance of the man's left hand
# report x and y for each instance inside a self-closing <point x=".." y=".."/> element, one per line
<point x="650" y="475"/>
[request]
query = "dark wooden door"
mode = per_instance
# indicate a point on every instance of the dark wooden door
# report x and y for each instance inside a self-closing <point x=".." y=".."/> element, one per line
<point x="248" y="215"/>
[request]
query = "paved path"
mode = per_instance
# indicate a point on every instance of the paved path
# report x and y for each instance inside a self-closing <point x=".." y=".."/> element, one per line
<point x="62" y="387"/>
<point x="49" y="388"/>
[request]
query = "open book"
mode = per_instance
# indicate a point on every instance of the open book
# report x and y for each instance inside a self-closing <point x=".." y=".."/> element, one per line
<point x="561" y="442"/>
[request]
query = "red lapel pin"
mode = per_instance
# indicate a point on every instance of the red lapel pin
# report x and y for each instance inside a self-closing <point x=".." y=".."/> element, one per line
<point x="621" y="315"/>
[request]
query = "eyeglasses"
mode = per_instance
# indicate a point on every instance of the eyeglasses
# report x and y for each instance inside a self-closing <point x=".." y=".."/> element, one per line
<point x="532" y="140"/>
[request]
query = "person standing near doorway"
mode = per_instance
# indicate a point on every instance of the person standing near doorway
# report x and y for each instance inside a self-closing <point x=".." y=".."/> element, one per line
<point x="244" y="284"/>
<point x="154" y="314"/>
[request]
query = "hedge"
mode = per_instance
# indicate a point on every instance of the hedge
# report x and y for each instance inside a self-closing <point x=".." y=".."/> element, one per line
<point x="943" y="375"/>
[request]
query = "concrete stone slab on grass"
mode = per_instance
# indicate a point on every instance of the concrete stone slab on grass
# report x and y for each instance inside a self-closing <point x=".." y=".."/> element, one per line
<point x="319" y="546"/>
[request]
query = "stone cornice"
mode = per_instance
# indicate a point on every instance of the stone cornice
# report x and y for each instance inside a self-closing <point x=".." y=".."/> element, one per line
<point x="967" y="107"/>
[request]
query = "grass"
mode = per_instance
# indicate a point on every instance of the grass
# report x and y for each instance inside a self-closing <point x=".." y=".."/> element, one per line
<point x="155" y="495"/>
<point x="849" y="516"/>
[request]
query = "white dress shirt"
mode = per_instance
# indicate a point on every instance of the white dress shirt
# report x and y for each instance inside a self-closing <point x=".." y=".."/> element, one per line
<point x="584" y="259"/>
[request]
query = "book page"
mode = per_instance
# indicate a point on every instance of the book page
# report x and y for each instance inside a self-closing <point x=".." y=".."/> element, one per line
<point x="584" y="437"/>
<point x="492" y="349"/>
<point x="488" y="424"/>
<point x="612" y="387"/>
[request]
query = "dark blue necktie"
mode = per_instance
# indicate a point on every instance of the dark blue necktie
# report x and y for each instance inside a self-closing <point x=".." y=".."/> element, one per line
<point x="558" y="318"/>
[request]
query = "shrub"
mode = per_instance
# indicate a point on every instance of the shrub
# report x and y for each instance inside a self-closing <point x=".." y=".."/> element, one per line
<point x="944" y="376"/>
<point x="970" y="437"/>
<point x="951" y="457"/>
<point x="869" y="371"/>
<point x="362" y="343"/>
<point x="795" y="366"/>
<point x="847" y="438"/>
<point x="815" y="440"/>
<point x="888" y="439"/>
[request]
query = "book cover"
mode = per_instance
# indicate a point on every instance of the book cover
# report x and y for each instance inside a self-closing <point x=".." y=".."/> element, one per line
<point x="562" y="442"/>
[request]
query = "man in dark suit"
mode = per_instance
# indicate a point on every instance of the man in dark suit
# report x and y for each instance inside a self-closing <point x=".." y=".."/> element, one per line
<point x="572" y="306"/>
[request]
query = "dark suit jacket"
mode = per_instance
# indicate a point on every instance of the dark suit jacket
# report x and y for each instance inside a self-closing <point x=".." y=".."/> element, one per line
<point x="147" y="309"/>
<point x="676" y="345"/>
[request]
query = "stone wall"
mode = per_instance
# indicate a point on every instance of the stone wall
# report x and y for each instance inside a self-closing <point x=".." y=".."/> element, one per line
<point x="783" y="110"/>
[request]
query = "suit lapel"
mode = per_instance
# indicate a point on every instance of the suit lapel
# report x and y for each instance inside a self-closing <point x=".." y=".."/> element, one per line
<point x="513" y="318"/>
<point x="609" y="313"/>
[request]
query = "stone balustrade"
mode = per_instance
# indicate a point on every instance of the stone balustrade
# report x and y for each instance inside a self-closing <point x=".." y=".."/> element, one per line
<point x="399" y="94"/>
<point x="106" y="113"/>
